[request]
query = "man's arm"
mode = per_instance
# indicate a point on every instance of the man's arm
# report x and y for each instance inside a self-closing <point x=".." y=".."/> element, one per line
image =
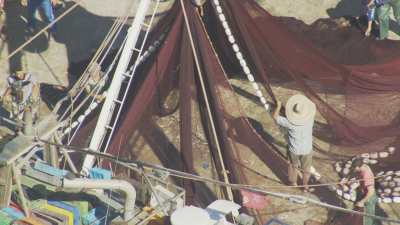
<point x="35" y="92"/>
<point x="277" y="110"/>
<point x="6" y="93"/>
<point x="370" y="193"/>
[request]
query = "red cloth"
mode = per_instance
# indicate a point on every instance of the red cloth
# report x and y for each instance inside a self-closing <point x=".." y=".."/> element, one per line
<point x="253" y="200"/>
<point x="367" y="179"/>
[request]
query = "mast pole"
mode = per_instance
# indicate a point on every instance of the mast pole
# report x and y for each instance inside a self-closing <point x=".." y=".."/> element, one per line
<point x="114" y="89"/>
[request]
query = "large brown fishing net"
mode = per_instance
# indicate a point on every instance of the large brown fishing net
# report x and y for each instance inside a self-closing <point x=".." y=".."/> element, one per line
<point x="353" y="80"/>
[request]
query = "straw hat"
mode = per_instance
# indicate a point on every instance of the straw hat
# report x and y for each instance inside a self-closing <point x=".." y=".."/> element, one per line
<point x="300" y="109"/>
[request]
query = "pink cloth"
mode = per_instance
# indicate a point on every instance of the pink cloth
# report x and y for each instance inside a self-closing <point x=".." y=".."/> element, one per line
<point x="367" y="178"/>
<point x="253" y="200"/>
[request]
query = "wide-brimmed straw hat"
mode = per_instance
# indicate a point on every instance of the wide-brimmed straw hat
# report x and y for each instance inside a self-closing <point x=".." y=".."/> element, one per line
<point x="300" y="109"/>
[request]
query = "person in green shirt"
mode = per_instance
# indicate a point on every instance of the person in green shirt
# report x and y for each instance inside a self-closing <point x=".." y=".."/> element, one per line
<point x="383" y="11"/>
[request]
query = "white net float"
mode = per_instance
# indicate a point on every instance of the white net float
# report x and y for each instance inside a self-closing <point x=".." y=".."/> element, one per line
<point x="347" y="196"/>
<point x="242" y="63"/>
<point x="346" y="171"/>
<point x="338" y="169"/>
<point x="339" y="192"/>
<point x="222" y="17"/>
<point x="239" y="56"/>
<point x="235" y="48"/>
<point x="348" y="164"/>
<point x="392" y="184"/>
<point x="152" y="49"/>
<point x="383" y="154"/>
<point x="365" y="160"/>
<point x="216" y="2"/>
<point x="396" y="194"/>
<point x="396" y="199"/>
<point x="259" y="93"/>
<point x="87" y="112"/>
<point x="396" y="189"/>
<point x="345" y="188"/>
<point x="384" y="184"/>
<point x="145" y="54"/>
<point x="387" y="191"/>
<point x="93" y="105"/>
<point x="391" y="149"/>
<point x="246" y="70"/>
<point x="353" y="198"/>
<point x="389" y="172"/>
<point x="67" y="130"/>
<point x="228" y="31"/>
<point x="225" y="25"/>
<point x="250" y="77"/>
<point x="374" y="155"/>
<point x="388" y="178"/>
<point x="380" y="173"/>
<point x="231" y="39"/>
<point x="219" y="9"/>
<point x="379" y="200"/>
<point x="397" y="173"/>
<point x="365" y="155"/>
<point x="396" y="179"/>
<point x="81" y="118"/>
<point x="387" y="200"/>
<point x="266" y="106"/>
<point x="157" y="43"/>
<point x="74" y="124"/>
<point x="379" y="190"/>
<point x="373" y="161"/>
<point x="255" y="85"/>
<point x="263" y="100"/>
<point x="354" y="185"/>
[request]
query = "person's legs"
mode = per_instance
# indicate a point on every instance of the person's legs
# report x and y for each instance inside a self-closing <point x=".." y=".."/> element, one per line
<point x="369" y="208"/>
<point x="396" y="10"/>
<point x="32" y="6"/>
<point x="293" y="168"/>
<point x="47" y="9"/>
<point x="383" y="18"/>
<point x="306" y="162"/>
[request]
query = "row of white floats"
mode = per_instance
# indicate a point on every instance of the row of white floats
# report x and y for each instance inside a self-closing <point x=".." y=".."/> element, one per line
<point x="238" y="53"/>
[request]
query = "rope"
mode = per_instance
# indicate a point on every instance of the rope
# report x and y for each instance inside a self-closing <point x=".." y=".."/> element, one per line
<point x="214" y="131"/>
<point x="135" y="164"/>
<point x="76" y="4"/>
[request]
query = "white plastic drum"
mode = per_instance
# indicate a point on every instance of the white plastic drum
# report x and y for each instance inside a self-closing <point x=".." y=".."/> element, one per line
<point x="190" y="215"/>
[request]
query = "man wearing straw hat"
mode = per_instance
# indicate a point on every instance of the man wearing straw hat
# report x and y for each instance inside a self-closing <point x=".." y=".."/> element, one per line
<point x="299" y="122"/>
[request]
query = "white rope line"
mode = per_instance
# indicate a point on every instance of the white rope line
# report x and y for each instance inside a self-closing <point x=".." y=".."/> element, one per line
<point x="238" y="53"/>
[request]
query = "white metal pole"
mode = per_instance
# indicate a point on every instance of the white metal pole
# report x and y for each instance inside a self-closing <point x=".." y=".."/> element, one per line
<point x="114" y="89"/>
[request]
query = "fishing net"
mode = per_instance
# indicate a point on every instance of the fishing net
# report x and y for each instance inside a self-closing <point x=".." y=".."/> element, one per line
<point x="352" y="80"/>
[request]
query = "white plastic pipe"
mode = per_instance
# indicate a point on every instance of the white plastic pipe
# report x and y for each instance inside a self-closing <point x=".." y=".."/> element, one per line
<point x="114" y="89"/>
<point x="120" y="185"/>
